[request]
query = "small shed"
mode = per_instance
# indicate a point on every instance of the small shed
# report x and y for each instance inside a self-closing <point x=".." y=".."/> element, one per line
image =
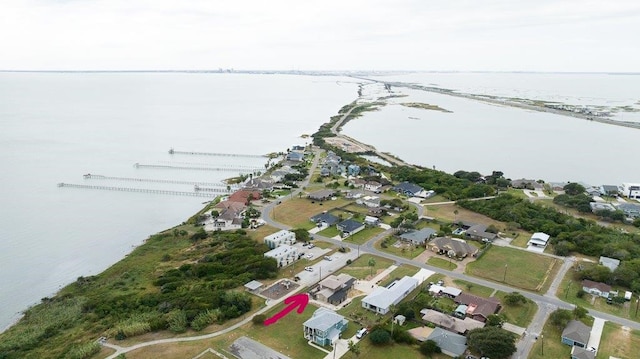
<point x="400" y="319"/>
<point x="253" y="286"/>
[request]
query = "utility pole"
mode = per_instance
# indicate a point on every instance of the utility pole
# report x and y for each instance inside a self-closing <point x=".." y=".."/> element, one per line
<point x="542" y="338"/>
<point x="504" y="279"/>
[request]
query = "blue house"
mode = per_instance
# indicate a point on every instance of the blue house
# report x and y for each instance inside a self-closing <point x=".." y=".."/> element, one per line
<point x="576" y="334"/>
<point x="353" y="170"/>
<point x="324" y="327"/>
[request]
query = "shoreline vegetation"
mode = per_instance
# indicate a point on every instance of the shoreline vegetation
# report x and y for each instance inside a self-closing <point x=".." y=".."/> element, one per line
<point x="183" y="279"/>
<point x="425" y="106"/>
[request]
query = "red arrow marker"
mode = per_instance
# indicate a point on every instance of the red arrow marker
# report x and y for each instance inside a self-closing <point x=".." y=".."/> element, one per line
<point x="298" y="300"/>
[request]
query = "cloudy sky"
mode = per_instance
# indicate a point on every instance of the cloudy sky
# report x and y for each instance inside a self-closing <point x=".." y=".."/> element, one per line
<point x="463" y="35"/>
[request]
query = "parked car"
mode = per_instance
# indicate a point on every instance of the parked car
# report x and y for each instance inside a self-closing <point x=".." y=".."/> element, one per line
<point x="311" y="245"/>
<point x="361" y="333"/>
<point x="328" y="258"/>
<point x="309" y="256"/>
<point x="308" y="269"/>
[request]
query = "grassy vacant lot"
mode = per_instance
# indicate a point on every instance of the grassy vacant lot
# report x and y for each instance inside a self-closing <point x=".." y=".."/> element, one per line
<point x="297" y="211"/>
<point x="360" y="267"/>
<point x="442" y="263"/>
<point x="618" y="342"/>
<point x="473" y="288"/>
<point x="409" y="252"/>
<point x="553" y="347"/>
<point x="516" y="268"/>
<point x="571" y="285"/>
<point x="329" y="232"/>
<point x="520" y="314"/>
<point x="259" y="233"/>
<point x="369" y="351"/>
<point x="359" y="316"/>
<point x="364" y="235"/>
<point x="401" y="271"/>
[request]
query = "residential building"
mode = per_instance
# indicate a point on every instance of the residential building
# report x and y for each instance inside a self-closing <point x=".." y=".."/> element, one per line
<point x="245" y="196"/>
<point x="630" y="210"/>
<point x="229" y="215"/>
<point x="439" y="290"/>
<point x="369" y="201"/>
<point x="259" y="184"/>
<point x="297" y="148"/>
<point x="478" y="308"/>
<point x="279" y="238"/>
<point x="452" y="247"/>
<point x="349" y="227"/>
<point x="451" y="344"/>
<point x="284" y="255"/>
<point x="295" y="156"/>
<point x="479" y="232"/>
<point x="382" y="298"/>
<point x="576" y="334"/>
<point x="580" y="353"/>
<point x="373" y="186"/>
<point x="610" y="263"/>
<point x="609" y="190"/>
<point x="324" y="327"/>
<point x="538" y="239"/>
<point x="601" y="206"/>
<point x="371" y="221"/>
<point x="411" y="190"/>
<point x="631" y="190"/>
<point x="593" y="191"/>
<point x="596" y="288"/>
<point x="419" y="237"/>
<point x="322" y="195"/>
<point x="456" y="325"/>
<point x="523" y="183"/>
<point x="324" y="220"/>
<point x="353" y="170"/>
<point x="333" y="289"/>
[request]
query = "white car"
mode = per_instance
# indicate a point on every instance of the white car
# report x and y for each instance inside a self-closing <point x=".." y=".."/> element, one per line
<point x="308" y="269"/>
<point x="311" y="245"/>
<point x="309" y="256"/>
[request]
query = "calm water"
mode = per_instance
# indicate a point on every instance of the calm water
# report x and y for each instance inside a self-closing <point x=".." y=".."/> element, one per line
<point x="57" y="127"/>
<point x="485" y="137"/>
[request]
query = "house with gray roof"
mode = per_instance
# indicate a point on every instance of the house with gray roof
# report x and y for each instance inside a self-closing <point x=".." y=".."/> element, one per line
<point x="324" y="327"/>
<point x="452" y="247"/>
<point x="419" y="237"/>
<point x="576" y="334"/>
<point x="353" y="170"/>
<point x="451" y="344"/>
<point x="333" y="289"/>
<point x="478" y="308"/>
<point x="601" y="206"/>
<point x="630" y="210"/>
<point x="325" y="219"/>
<point x="609" y="190"/>
<point x="382" y="298"/>
<point x="580" y="353"/>
<point x="610" y="263"/>
<point x="538" y="239"/>
<point x="321" y="195"/>
<point x="479" y="232"/>
<point x="523" y="183"/>
<point x="350" y="227"/>
<point x="596" y="288"/>
<point x="295" y="156"/>
<point x="410" y="189"/>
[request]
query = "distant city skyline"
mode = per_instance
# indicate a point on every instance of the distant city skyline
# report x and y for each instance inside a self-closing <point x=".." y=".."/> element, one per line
<point x="286" y="35"/>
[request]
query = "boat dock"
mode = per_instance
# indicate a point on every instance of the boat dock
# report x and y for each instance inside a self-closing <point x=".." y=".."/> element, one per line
<point x="139" y="190"/>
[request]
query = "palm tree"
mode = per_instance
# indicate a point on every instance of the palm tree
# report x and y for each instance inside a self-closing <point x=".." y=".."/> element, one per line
<point x="372" y="263"/>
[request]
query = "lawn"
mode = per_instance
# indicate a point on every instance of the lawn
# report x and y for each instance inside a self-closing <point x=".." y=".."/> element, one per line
<point x="442" y="263"/>
<point x="618" y="342"/>
<point x="329" y="232"/>
<point x="517" y="268"/>
<point x="359" y="316"/>
<point x="369" y="351"/>
<point x="552" y="347"/>
<point x="472" y="288"/>
<point x="364" y="235"/>
<point x="571" y="285"/>
<point x="520" y="314"/>
<point x="297" y="211"/>
<point x="259" y="233"/>
<point x="360" y="267"/>
<point x="406" y="251"/>
<point x="400" y="272"/>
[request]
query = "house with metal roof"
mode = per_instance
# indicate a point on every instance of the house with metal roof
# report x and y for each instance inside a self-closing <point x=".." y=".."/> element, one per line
<point x="451" y="344"/>
<point x="610" y="263"/>
<point x="349" y="227"/>
<point x="382" y="298"/>
<point x="324" y="327"/>
<point x="538" y="239"/>
<point x="576" y="334"/>
<point x="419" y="237"/>
<point x="631" y="210"/>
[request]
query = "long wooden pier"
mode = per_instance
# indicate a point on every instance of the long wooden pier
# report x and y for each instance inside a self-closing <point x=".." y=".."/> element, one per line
<point x="153" y="180"/>
<point x="193" y="168"/>
<point x="174" y="152"/>
<point x="139" y="190"/>
<point x="209" y="189"/>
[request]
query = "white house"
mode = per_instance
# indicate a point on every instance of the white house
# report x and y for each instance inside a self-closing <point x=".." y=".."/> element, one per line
<point x="382" y="298"/>
<point x="631" y="190"/>
<point x="538" y="239"/>
<point x="369" y="201"/>
<point x="596" y="288"/>
<point x="279" y="238"/>
<point x="284" y="254"/>
<point x="373" y="186"/>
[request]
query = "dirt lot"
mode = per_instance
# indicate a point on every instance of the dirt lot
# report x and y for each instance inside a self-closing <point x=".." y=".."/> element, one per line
<point x="280" y="289"/>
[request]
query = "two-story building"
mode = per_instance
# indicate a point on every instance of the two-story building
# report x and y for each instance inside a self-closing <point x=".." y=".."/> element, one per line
<point x="333" y="289"/>
<point x="284" y="254"/>
<point x="324" y="327"/>
<point x="279" y="238"/>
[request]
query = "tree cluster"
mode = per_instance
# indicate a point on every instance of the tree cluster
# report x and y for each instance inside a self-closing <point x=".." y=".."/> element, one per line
<point x="492" y="342"/>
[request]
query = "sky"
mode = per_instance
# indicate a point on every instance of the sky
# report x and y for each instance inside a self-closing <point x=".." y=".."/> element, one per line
<point x="369" y="35"/>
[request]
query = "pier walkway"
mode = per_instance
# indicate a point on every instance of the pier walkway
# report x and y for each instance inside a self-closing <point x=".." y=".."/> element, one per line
<point x="152" y="180"/>
<point x="174" y="152"/>
<point x="139" y="190"/>
<point x="219" y="169"/>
